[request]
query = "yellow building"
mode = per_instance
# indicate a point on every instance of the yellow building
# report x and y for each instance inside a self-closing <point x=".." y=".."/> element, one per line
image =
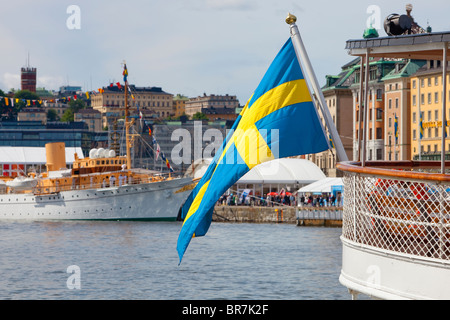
<point x="179" y="105"/>
<point x="426" y="104"/>
<point x="111" y="102"/>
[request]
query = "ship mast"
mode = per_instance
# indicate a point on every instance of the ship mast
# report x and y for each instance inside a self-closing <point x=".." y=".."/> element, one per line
<point x="127" y="124"/>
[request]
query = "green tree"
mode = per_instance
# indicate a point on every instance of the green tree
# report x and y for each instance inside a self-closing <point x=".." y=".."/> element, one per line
<point x="199" y="116"/>
<point x="76" y="105"/>
<point x="24" y="95"/>
<point x="68" y="116"/>
<point x="52" y="115"/>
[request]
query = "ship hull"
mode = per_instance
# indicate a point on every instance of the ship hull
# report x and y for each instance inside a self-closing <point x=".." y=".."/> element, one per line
<point x="157" y="201"/>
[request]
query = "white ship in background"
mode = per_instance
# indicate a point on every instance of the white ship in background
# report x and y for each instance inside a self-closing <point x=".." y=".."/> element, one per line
<point x="102" y="186"/>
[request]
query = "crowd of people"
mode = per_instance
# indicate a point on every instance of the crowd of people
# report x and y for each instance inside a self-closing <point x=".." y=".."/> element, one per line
<point x="283" y="199"/>
<point x="323" y="200"/>
<point x="267" y="200"/>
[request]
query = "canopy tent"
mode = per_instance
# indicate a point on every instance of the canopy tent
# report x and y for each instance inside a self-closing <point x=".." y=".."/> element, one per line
<point x="323" y="186"/>
<point x="283" y="171"/>
<point x="33" y="155"/>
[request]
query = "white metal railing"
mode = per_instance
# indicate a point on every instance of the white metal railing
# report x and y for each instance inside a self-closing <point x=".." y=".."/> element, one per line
<point x="326" y="213"/>
<point x="409" y="215"/>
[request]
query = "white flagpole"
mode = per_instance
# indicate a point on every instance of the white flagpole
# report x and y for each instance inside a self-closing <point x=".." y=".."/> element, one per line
<point x="303" y="57"/>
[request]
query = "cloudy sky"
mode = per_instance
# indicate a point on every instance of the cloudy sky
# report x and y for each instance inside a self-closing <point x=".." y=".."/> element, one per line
<point x="189" y="47"/>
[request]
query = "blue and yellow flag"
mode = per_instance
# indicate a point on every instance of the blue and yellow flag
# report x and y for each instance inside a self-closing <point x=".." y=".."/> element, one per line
<point x="421" y="127"/>
<point x="125" y="73"/>
<point x="396" y="128"/>
<point x="280" y="120"/>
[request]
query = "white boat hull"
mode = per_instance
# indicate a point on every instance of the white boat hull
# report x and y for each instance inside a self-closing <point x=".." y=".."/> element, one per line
<point x="384" y="275"/>
<point x="150" y="201"/>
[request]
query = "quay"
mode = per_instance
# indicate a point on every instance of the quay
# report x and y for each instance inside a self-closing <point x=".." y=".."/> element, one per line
<point x="301" y="216"/>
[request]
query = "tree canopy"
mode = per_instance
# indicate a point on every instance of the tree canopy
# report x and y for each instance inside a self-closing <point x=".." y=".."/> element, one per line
<point x="199" y="116"/>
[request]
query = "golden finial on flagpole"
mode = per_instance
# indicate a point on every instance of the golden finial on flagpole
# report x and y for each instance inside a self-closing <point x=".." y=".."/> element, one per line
<point x="291" y="19"/>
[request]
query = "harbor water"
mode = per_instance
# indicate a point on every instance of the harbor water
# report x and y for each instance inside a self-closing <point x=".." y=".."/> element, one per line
<point x="138" y="260"/>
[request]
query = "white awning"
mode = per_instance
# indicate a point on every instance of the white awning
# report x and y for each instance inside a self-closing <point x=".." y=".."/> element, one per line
<point x="278" y="171"/>
<point x="323" y="185"/>
<point x="284" y="171"/>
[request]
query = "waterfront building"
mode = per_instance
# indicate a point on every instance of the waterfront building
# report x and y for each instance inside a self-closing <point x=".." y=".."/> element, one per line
<point x="111" y="102"/>
<point x="224" y="113"/>
<point x="397" y="109"/>
<point x="218" y="102"/>
<point x="179" y="105"/>
<point x="375" y="146"/>
<point x="426" y="98"/>
<point x="389" y="115"/>
<point x="56" y="105"/>
<point x="338" y="97"/>
<point x="91" y="117"/>
<point x="32" y="114"/>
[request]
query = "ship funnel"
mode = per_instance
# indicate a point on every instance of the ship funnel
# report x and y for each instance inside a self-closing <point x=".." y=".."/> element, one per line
<point x="56" y="156"/>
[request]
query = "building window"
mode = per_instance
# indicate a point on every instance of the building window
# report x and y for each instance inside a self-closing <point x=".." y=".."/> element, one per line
<point x="414" y="84"/>
<point x="436" y="97"/>
<point x="429" y="115"/>
<point x="436" y="115"/>
<point x="379" y="133"/>
<point x="429" y="98"/>
<point x="379" y="114"/>
<point x="414" y="117"/>
<point x="414" y="135"/>
<point x="390" y="103"/>
<point x="379" y="94"/>
<point x="414" y="100"/>
<point x="422" y="99"/>
<point x="396" y="103"/>
<point x="379" y="154"/>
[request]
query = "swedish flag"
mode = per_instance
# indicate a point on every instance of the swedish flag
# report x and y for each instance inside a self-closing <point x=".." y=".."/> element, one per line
<point x="421" y="127"/>
<point x="279" y="120"/>
<point x="396" y="128"/>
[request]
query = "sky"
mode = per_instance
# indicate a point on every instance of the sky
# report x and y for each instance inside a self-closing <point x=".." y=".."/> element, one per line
<point x="188" y="47"/>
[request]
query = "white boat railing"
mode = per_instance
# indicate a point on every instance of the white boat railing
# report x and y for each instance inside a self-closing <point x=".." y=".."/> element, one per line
<point x="398" y="211"/>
